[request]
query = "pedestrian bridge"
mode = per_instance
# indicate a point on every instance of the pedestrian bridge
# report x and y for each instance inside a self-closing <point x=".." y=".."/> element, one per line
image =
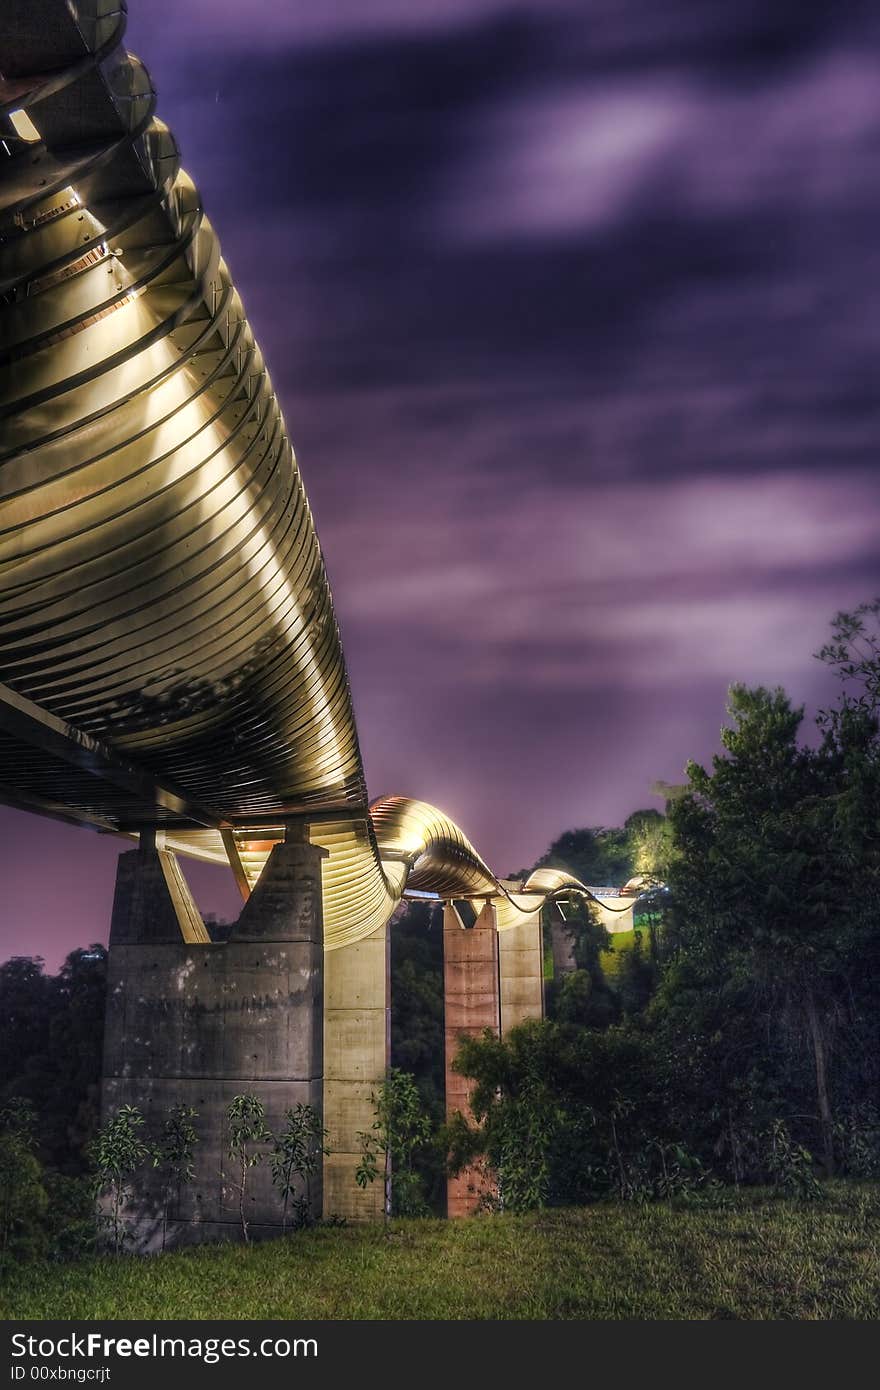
<point x="170" y="663"/>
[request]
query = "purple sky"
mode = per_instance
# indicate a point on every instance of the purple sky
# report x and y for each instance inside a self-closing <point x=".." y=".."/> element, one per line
<point x="574" y="313"/>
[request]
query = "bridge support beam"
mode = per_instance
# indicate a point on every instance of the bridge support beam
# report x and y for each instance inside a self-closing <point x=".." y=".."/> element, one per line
<point x="357" y="1040"/>
<point x="470" y="984"/>
<point x="521" y="972"/>
<point x="152" y="901"/>
<point x="194" y="1023"/>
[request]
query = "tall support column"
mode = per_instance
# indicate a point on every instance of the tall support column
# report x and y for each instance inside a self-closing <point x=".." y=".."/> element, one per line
<point x="562" y="943"/>
<point x="521" y="972"/>
<point x="193" y="1023"/>
<point x="357" y="1041"/>
<point x="471" y="1001"/>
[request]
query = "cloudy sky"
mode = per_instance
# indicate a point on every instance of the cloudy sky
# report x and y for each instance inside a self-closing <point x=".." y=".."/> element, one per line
<point x="574" y="312"/>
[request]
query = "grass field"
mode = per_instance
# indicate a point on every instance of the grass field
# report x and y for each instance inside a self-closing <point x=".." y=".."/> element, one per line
<point x="748" y="1256"/>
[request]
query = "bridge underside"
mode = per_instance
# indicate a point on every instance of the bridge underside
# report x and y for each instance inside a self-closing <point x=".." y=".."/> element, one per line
<point x="170" y="664"/>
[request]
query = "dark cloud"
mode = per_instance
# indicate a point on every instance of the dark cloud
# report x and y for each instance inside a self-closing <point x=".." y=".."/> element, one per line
<point x="573" y="310"/>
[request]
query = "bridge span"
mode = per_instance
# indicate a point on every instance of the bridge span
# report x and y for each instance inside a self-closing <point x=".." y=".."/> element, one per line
<point x="171" y="668"/>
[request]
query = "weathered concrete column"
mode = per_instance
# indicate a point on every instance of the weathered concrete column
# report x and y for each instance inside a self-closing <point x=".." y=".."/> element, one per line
<point x="196" y="1024"/>
<point x="521" y="972"/>
<point x="471" y="1001"/>
<point x="152" y="901"/>
<point x="357" y="1041"/>
<point x="561" y="942"/>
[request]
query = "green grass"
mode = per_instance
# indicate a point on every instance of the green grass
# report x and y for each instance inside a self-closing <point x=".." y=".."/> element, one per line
<point x="748" y="1256"/>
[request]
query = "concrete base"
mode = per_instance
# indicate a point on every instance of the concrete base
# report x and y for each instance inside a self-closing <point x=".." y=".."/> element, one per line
<point x="199" y="1024"/>
<point x="357" y="1041"/>
<point x="471" y="999"/>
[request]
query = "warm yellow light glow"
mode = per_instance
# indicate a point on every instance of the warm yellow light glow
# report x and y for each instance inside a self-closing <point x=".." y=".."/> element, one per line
<point x="24" y="126"/>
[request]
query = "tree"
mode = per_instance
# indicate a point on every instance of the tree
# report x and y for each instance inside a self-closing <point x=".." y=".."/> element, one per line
<point x="174" y="1154"/>
<point x="246" y="1117"/>
<point x="595" y="856"/>
<point x="567" y="1114"/>
<point x="516" y="1101"/>
<point x="573" y="997"/>
<point x="72" y="1109"/>
<point x="583" y="995"/>
<point x="400" y="1129"/>
<point x="650" y="840"/>
<point x="636" y="977"/>
<point x="51" y="1037"/>
<point x="417" y="992"/>
<point x="23" y="1198"/>
<point x="417" y="1025"/>
<point x="117" y="1151"/>
<point x="24" y="1030"/>
<point x="853" y="654"/>
<point x="295" y="1158"/>
<point x="763" y="882"/>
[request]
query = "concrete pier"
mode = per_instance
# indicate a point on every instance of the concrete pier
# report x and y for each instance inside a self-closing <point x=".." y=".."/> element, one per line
<point x="357" y="1041"/>
<point x="152" y="901"/>
<point x="195" y="1024"/>
<point x="521" y="972"/>
<point x="470" y="982"/>
<point x="562" y="943"/>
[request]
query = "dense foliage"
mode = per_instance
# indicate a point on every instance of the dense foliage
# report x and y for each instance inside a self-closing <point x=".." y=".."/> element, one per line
<point x="401" y="1130"/>
<point x="51" y="1037"/>
<point x="742" y="1043"/>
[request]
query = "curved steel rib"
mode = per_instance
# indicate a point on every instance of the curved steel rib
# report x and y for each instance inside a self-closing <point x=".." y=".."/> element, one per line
<point x="161" y="582"/>
<point x="169" y="654"/>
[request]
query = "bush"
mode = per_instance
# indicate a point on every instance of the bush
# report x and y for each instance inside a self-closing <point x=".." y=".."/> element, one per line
<point x="23" y="1201"/>
<point x="567" y="1115"/>
<point x="23" y="1198"/>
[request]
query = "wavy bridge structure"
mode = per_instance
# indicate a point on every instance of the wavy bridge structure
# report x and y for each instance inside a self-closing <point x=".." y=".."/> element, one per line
<point x="170" y="664"/>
